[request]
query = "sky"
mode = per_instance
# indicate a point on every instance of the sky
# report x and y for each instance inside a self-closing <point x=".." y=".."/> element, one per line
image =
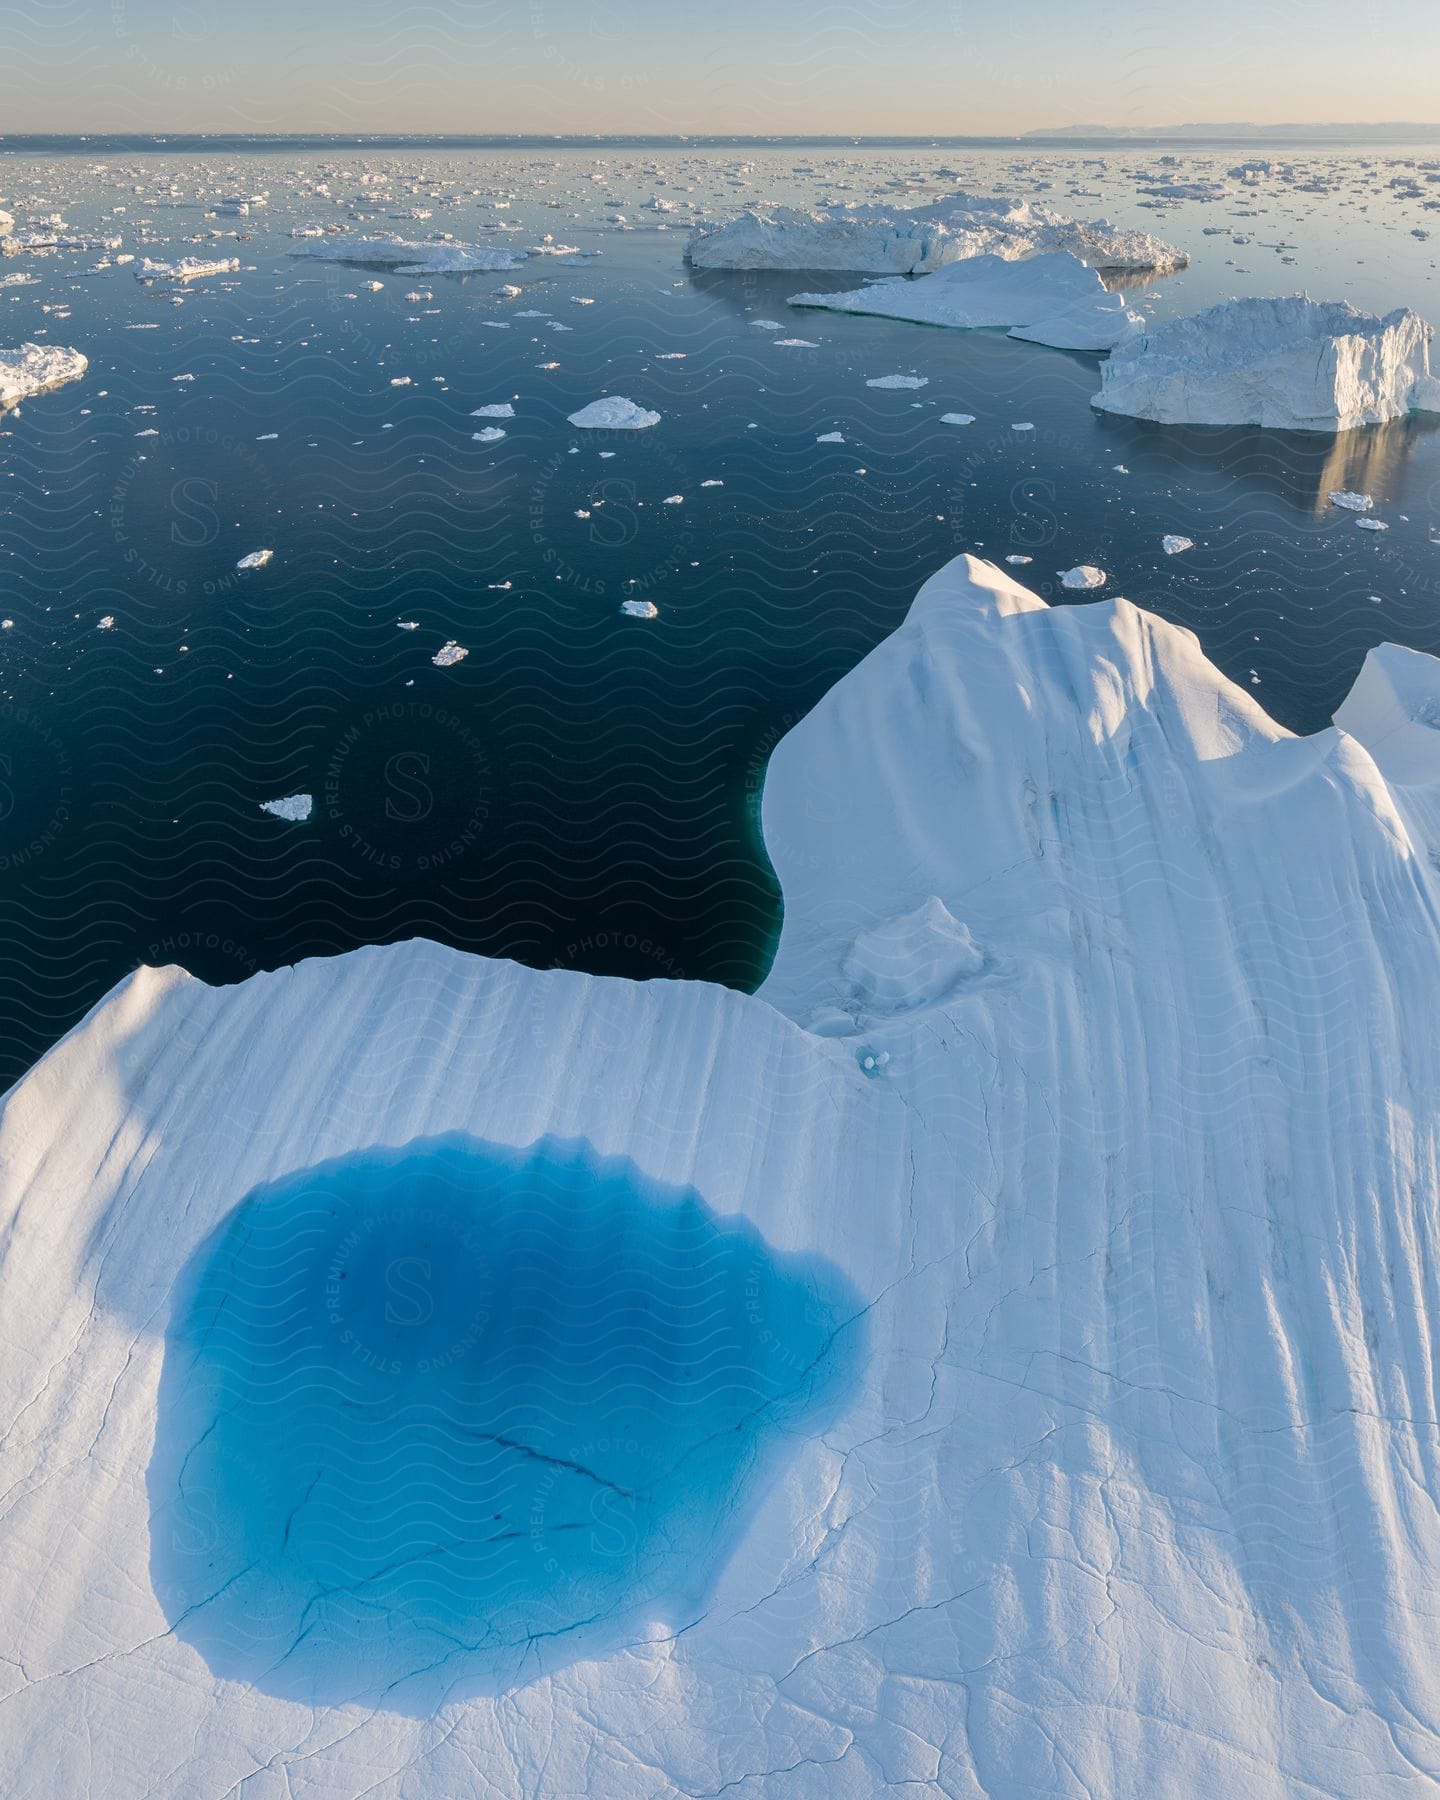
<point x="761" y="67"/>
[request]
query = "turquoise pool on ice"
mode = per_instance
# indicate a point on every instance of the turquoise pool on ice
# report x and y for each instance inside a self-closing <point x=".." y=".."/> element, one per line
<point x="453" y="1413"/>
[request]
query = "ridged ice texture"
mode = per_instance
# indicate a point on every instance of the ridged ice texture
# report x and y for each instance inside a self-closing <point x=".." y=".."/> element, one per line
<point x="1099" y="1054"/>
<point x="424" y="1410"/>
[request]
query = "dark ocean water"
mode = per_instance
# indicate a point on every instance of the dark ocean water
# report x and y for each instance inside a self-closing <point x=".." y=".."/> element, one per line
<point x="582" y="788"/>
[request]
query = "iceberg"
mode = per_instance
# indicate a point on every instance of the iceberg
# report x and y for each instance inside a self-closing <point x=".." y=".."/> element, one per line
<point x="889" y="240"/>
<point x="188" y="268"/>
<point x="614" y="413"/>
<point x="1292" y="363"/>
<point x="430" y="257"/>
<point x="295" y="808"/>
<point x="1097" y="1060"/>
<point x="35" y="368"/>
<point x="1053" y="299"/>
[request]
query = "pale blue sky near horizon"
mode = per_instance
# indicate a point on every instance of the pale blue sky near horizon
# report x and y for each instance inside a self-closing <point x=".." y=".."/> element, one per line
<point x="764" y="67"/>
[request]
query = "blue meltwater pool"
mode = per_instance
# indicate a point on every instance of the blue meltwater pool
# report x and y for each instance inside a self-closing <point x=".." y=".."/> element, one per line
<point x="442" y="1418"/>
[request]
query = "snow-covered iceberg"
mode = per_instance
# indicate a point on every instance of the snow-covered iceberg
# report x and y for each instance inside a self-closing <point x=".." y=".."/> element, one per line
<point x="34" y="368"/>
<point x="1291" y="363"/>
<point x="1052" y="299"/>
<point x="890" y="240"/>
<point x="1098" y="1058"/>
<point x="439" y="256"/>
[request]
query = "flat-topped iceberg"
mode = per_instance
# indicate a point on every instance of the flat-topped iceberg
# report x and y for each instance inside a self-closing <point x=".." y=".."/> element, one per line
<point x="1098" y="1059"/>
<point x="1291" y="363"/>
<point x="34" y="368"/>
<point x="891" y="240"/>
<point x="1051" y="299"/>
<point x="438" y="256"/>
<point x="188" y="268"/>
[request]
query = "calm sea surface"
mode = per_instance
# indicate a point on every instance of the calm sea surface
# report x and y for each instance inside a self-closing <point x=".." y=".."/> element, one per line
<point x="581" y="789"/>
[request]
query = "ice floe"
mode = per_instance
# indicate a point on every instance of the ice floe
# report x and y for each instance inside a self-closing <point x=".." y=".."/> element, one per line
<point x="256" y="559"/>
<point x="294" y="807"/>
<point x="613" y="413"/>
<point x="1053" y="299"/>
<point x="35" y="368"/>
<point x="187" y="268"/>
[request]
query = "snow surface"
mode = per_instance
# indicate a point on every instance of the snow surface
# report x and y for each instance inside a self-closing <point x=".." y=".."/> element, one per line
<point x="429" y="257"/>
<point x="34" y="368"/>
<point x="1053" y="299"/>
<point x="889" y="240"/>
<point x="1292" y="363"/>
<point x="1098" y="1053"/>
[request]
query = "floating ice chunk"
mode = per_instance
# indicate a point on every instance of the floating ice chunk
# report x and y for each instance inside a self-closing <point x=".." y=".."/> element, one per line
<point x="1291" y="364"/>
<point x="490" y="435"/>
<point x="957" y="418"/>
<point x="613" y="413"/>
<point x="1372" y="524"/>
<point x="899" y="381"/>
<point x="501" y="410"/>
<point x="1023" y="425"/>
<point x="1019" y="560"/>
<point x="1351" y="502"/>
<point x="1173" y="546"/>
<point x="1051" y="299"/>
<point x="188" y="268"/>
<point x="673" y="500"/>
<point x="712" y="483"/>
<point x="36" y="368"/>
<point x="767" y="324"/>
<point x="257" y="559"/>
<point x="294" y="807"/>
<point x="407" y="624"/>
<point x="449" y="654"/>
<point x="831" y="437"/>
<point x="794" y="344"/>
<point x="640" y="609"/>
<point x="1084" y="575"/>
<point x="107" y="623"/>
<point x="890" y="240"/>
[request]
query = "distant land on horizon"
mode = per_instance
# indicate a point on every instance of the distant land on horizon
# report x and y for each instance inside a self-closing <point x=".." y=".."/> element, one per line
<point x="1403" y="131"/>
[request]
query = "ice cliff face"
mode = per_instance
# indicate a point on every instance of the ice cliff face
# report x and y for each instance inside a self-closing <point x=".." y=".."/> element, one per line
<point x="1293" y="363"/>
<point x="887" y="240"/>
<point x="1098" y="1053"/>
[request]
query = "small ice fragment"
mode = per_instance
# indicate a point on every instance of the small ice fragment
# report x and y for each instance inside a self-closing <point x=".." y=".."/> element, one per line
<point x="267" y="437"/>
<point x="802" y="344"/>
<point x="1352" y="502"/>
<point x="640" y="609"/>
<point x="294" y="807"/>
<point x="899" y="381"/>
<point x="712" y="484"/>
<point x="503" y="410"/>
<point x="767" y="324"/>
<point x="1172" y="546"/>
<point x="831" y="437"/>
<point x="449" y="654"/>
<point x="491" y="434"/>
<point x="957" y="418"/>
<point x="257" y="559"/>
<point x="1025" y="425"/>
<point x="107" y="623"/>
<point x="1372" y="524"/>
<point x="673" y="500"/>
<point x="407" y="624"/>
<point x="400" y="381"/>
<point x="1019" y="559"/>
<point x="1084" y="575"/>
